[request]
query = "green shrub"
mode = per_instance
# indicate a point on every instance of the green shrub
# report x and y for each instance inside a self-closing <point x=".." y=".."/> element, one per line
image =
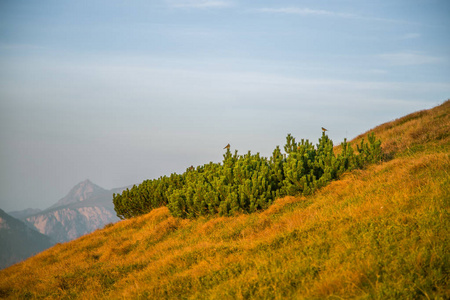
<point x="247" y="183"/>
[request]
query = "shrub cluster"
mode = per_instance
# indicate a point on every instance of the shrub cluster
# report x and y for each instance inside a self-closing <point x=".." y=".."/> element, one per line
<point x="247" y="183"/>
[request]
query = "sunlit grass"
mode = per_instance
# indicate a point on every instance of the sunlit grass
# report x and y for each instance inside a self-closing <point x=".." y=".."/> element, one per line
<point x="378" y="233"/>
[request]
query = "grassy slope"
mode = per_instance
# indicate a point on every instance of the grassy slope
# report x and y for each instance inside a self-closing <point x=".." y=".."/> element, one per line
<point x="377" y="233"/>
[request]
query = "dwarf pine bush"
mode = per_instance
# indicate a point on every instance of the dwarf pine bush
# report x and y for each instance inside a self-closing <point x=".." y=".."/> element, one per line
<point x="247" y="183"/>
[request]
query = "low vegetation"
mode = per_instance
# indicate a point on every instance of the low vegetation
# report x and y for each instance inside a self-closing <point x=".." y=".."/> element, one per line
<point x="381" y="232"/>
<point x="247" y="183"/>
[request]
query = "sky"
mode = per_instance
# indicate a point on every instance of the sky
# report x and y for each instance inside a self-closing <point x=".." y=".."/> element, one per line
<point x="120" y="91"/>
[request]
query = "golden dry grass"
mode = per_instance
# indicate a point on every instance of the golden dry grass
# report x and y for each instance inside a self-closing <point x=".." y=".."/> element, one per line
<point x="426" y="129"/>
<point x="378" y="233"/>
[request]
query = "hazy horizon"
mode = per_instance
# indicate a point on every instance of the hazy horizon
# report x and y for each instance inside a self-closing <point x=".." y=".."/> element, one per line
<point x="118" y="92"/>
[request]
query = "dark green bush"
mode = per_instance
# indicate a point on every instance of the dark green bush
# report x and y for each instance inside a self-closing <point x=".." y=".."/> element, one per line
<point x="247" y="183"/>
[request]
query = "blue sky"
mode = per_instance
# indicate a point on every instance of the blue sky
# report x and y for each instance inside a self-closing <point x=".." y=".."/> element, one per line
<point x="123" y="91"/>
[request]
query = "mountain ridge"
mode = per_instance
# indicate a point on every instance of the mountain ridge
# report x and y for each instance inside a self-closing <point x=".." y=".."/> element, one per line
<point x="83" y="191"/>
<point x="18" y="240"/>
<point x="21" y="214"/>
<point x="84" y="209"/>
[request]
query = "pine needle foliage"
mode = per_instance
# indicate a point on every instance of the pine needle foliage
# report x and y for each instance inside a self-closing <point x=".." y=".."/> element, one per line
<point x="247" y="183"/>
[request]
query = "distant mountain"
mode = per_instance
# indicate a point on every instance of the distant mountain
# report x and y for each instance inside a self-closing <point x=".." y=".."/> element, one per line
<point x="84" y="209"/>
<point x="22" y="214"/>
<point x="18" y="241"/>
<point x="68" y="223"/>
<point x="83" y="191"/>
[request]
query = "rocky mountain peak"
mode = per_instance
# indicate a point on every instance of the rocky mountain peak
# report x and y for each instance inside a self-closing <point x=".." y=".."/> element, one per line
<point x="83" y="191"/>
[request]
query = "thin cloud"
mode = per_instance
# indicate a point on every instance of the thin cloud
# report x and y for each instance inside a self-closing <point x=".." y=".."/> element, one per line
<point x="326" y="13"/>
<point x="17" y="47"/>
<point x="409" y="58"/>
<point x="198" y="3"/>
<point x="378" y="71"/>
<point x="305" y="12"/>
<point x="411" y="36"/>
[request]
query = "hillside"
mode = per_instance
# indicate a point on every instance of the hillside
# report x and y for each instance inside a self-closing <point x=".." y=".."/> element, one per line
<point x="378" y="233"/>
<point x="18" y="241"/>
